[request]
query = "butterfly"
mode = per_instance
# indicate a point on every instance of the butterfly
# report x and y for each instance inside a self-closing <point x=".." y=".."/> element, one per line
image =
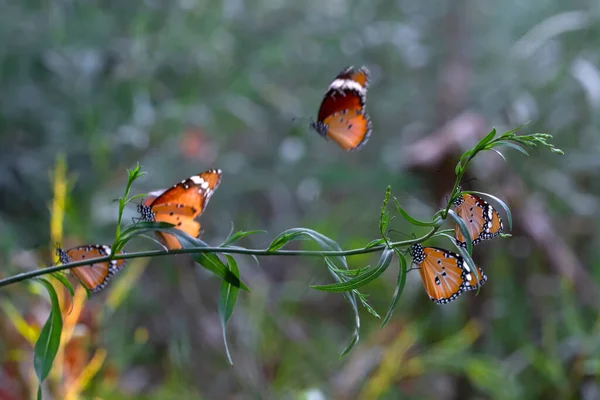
<point x="94" y="277"/>
<point x="445" y="274"/>
<point x="342" y="115"/>
<point x="482" y="220"/>
<point x="180" y="205"/>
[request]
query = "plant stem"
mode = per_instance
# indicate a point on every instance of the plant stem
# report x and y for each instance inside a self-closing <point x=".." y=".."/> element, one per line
<point x="253" y="252"/>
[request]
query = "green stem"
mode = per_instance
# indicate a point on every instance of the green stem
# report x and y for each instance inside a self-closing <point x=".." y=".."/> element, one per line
<point x="253" y="252"/>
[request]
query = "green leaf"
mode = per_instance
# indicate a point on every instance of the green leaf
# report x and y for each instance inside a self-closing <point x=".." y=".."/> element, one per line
<point x="346" y="272"/>
<point x="209" y="261"/>
<point x="227" y="300"/>
<point x="138" y="229"/>
<point x="326" y="244"/>
<point x="375" y="242"/>
<point x="488" y="138"/>
<point x="463" y="229"/>
<point x="384" y="216"/>
<point x="511" y="145"/>
<point x="409" y="218"/>
<point x="500" y="202"/>
<point x="135" y="197"/>
<point x="366" y="305"/>
<point x="63" y="279"/>
<point x="399" y="287"/>
<point x="362" y="279"/>
<point x="47" y="344"/>
<point x="238" y="235"/>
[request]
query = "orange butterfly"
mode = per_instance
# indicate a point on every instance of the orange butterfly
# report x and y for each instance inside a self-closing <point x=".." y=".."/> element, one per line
<point x="445" y="274"/>
<point x="180" y="205"/>
<point x="342" y="115"/>
<point x="94" y="277"/>
<point x="482" y="220"/>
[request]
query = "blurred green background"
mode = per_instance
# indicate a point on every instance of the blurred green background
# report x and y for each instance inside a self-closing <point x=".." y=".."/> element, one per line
<point x="183" y="86"/>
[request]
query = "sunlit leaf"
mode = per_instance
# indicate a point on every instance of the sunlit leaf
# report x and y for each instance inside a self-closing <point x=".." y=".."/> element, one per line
<point x="46" y="347"/>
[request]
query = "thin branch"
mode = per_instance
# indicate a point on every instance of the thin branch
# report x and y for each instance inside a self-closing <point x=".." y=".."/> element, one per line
<point x="237" y="250"/>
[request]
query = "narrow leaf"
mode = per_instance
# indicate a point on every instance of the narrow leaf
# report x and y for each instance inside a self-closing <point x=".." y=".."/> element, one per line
<point x="500" y="154"/>
<point x="227" y="300"/>
<point x="384" y="216"/>
<point x="346" y="272"/>
<point x="48" y="342"/>
<point x="409" y="218"/>
<point x="511" y="145"/>
<point x="238" y="235"/>
<point x="463" y="229"/>
<point x="484" y="141"/>
<point x="399" y="287"/>
<point x="374" y="243"/>
<point x="362" y="279"/>
<point x="500" y="202"/>
<point x="62" y="279"/>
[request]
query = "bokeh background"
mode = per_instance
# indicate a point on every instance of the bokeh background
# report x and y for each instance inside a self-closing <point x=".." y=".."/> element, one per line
<point x="87" y="89"/>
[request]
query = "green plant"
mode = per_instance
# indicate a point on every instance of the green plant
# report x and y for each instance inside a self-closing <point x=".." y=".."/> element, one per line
<point x="348" y="281"/>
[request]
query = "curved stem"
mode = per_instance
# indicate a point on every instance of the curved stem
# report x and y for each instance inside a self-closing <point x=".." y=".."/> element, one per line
<point x="253" y="252"/>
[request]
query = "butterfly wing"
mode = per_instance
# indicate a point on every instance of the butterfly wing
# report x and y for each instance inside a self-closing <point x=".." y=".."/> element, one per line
<point x="192" y="193"/>
<point x="341" y="115"/>
<point x="360" y="75"/>
<point x="493" y="223"/>
<point x="185" y="223"/>
<point x="482" y="220"/>
<point x="96" y="276"/>
<point x="350" y="128"/>
<point x="445" y="274"/>
<point x="181" y="204"/>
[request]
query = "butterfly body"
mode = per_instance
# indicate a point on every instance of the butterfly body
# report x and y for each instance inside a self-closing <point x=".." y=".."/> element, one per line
<point x="95" y="276"/>
<point x="483" y="221"/>
<point x="445" y="274"/>
<point x="180" y="205"/>
<point x="342" y="116"/>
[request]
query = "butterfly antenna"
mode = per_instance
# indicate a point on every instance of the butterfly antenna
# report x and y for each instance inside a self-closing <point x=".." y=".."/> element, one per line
<point x="468" y="180"/>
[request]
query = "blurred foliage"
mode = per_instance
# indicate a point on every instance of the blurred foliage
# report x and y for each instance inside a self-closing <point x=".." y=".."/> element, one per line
<point x="189" y="85"/>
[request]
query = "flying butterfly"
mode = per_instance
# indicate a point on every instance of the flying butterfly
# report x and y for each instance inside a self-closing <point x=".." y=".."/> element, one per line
<point x="180" y="205"/>
<point x="95" y="276"/>
<point x="483" y="221"/>
<point x="445" y="274"/>
<point x="342" y="116"/>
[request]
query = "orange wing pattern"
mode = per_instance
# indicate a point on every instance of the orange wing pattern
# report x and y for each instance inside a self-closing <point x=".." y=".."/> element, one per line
<point x="445" y="275"/>
<point x="181" y="205"/>
<point x="482" y="220"/>
<point x="342" y="116"/>
<point x="360" y="75"/>
<point x="94" y="277"/>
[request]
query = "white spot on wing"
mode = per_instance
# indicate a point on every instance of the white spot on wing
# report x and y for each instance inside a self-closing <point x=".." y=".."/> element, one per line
<point x="197" y="180"/>
<point x="346" y="84"/>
